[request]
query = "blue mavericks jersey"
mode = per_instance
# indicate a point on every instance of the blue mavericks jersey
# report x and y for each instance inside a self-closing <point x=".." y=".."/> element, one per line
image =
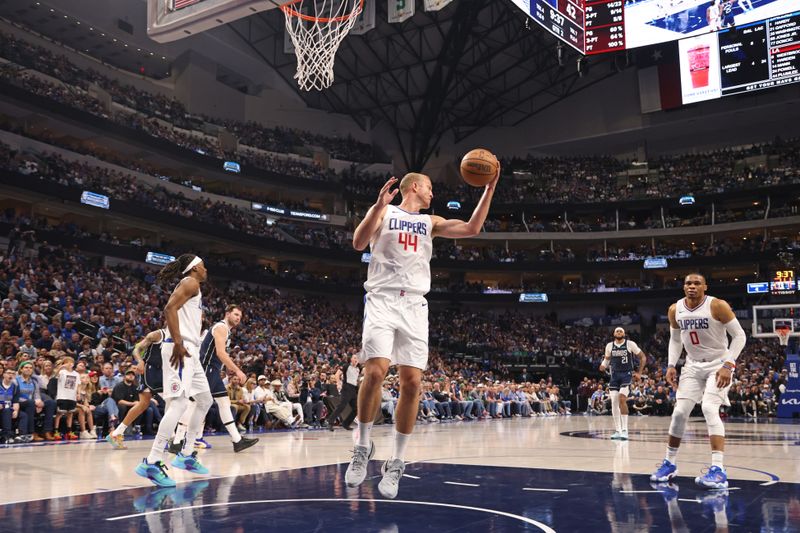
<point x="152" y="355"/>
<point x="208" y="352"/>
<point x="622" y="357"/>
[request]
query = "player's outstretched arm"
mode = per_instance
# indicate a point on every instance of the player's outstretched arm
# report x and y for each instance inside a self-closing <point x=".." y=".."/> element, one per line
<point x="458" y="229"/>
<point x="372" y="221"/>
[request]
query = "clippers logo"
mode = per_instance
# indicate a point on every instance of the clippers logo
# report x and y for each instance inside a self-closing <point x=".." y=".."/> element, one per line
<point x="175" y="387"/>
<point x="693" y="323"/>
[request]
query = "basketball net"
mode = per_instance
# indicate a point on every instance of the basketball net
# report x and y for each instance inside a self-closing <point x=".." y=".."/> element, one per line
<point x="317" y="28"/>
<point x="783" y="335"/>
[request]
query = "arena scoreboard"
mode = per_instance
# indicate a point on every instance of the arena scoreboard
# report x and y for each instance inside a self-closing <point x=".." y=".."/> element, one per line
<point x="599" y="26"/>
<point x="783" y="282"/>
<point x="562" y="18"/>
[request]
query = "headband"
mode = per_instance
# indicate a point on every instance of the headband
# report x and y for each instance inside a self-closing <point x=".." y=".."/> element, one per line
<point x="193" y="263"/>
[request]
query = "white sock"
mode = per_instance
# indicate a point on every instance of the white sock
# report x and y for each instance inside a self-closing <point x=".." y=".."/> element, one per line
<point x="225" y="415"/>
<point x="672" y="454"/>
<point x="615" y="412"/>
<point x="364" y="429"/>
<point x="399" y="448"/>
<point x="624" y="422"/>
<point x="171" y="416"/>
<point x="716" y="458"/>
<point x="119" y="430"/>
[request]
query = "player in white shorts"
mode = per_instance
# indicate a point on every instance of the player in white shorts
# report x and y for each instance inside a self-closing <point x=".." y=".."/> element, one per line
<point x="184" y="377"/>
<point x="396" y="312"/>
<point x="701" y="324"/>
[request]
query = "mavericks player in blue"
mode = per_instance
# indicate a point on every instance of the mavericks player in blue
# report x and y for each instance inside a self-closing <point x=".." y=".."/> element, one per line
<point x="213" y="356"/>
<point x="148" y="358"/>
<point x="619" y="357"/>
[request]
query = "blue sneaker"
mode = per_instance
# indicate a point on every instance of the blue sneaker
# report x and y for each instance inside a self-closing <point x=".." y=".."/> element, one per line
<point x="202" y="444"/>
<point x="664" y="473"/>
<point x="153" y="500"/>
<point x="715" y="478"/>
<point x="157" y="473"/>
<point x="189" y="463"/>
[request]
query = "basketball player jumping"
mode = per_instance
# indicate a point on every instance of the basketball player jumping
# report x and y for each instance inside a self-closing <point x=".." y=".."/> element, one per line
<point x="619" y="356"/>
<point x="148" y="357"/>
<point x="701" y="324"/>
<point x="396" y="312"/>
<point x="183" y="376"/>
<point x="213" y="356"/>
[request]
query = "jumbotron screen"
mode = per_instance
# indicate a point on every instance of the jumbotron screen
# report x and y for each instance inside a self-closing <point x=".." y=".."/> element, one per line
<point x="612" y="25"/>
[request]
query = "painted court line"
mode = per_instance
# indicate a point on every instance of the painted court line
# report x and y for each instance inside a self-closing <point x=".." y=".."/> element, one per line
<point x="541" y="526"/>
<point x="409" y="475"/>
<point x="545" y="490"/>
<point x="461" y="484"/>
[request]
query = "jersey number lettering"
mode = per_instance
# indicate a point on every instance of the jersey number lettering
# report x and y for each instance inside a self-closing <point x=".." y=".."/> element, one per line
<point x="408" y="240"/>
<point x="694" y="338"/>
<point x="624" y="359"/>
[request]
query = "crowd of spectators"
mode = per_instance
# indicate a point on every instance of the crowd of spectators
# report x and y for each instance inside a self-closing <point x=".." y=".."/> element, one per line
<point x="152" y="104"/>
<point x="528" y="180"/>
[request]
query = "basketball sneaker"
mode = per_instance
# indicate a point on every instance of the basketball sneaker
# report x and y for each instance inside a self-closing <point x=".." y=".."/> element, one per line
<point x="664" y="473"/>
<point x="202" y="444"/>
<point x="157" y="473"/>
<point x="715" y="478"/>
<point x="243" y="444"/>
<point x="357" y="469"/>
<point x="623" y="435"/>
<point x="175" y="447"/>
<point x="392" y="471"/>
<point x="616" y="435"/>
<point x="190" y="463"/>
<point x="118" y="443"/>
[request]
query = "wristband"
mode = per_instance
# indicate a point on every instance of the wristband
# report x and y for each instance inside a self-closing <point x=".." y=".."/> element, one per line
<point x="670" y="366"/>
<point x="731" y="363"/>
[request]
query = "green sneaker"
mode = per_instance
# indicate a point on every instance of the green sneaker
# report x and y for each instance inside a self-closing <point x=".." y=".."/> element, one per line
<point x="157" y="473"/>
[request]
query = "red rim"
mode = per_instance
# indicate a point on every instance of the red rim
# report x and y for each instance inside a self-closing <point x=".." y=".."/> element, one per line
<point x="292" y="12"/>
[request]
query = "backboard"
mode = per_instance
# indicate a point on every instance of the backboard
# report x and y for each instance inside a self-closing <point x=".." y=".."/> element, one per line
<point x="170" y="20"/>
<point x="767" y="318"/>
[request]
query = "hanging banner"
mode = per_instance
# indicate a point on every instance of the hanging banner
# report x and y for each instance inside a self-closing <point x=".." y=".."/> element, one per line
<point x="366" y="20"/>
<point x="400" y="10"/>
<point x="436" y="5"/>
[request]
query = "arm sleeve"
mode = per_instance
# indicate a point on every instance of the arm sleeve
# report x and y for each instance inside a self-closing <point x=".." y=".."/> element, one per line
<point x="675" y="346"/>
<point x="738" y="339"/>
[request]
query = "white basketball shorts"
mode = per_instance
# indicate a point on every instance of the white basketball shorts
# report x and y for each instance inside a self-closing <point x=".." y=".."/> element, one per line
<point x="698" y="382"/>
<point x="395" y="328"/>
<point x="187" y="381"/>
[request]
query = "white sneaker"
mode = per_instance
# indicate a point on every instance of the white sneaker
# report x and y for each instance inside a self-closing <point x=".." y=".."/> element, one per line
<point x="392" y="472"/>
<point x="85" y="435"/>
<point x="93" y="434"/>
<point x="357" y="469"/>
<point x="623" y="435"/>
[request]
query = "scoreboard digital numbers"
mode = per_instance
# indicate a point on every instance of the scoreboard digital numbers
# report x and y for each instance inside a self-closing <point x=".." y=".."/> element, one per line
<point x="605" y="26"/>
<point x="783" y="282"/>
<point x="562" y="18"/>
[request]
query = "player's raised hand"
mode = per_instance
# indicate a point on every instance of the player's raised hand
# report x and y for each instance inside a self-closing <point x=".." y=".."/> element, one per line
<point x="492" y="185"/>
<point x="670" y="377"/>
<point x="386" y="195"/>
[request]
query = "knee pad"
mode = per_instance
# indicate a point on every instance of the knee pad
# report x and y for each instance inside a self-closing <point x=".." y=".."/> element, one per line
<point x="680" y="415"/>
<point x="713" y="421"/>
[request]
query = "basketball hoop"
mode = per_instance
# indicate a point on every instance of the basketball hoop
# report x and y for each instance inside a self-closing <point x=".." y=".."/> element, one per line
<point x="317" y="28"/>
<point x="783" y="335"/>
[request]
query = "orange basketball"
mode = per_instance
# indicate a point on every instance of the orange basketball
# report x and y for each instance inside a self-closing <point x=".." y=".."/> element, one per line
<point x="479" y="167"/>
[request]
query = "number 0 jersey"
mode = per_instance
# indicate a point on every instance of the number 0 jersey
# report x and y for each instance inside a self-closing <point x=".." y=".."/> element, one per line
<point x="401" y="253"/>
<point x="703" y="336"/>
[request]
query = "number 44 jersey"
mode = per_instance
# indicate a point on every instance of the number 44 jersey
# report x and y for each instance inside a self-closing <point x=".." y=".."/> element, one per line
<point x="703" y="337"/>
<point x="401" y="253"/>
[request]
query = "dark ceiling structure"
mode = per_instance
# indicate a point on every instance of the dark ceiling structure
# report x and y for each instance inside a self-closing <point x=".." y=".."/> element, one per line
<point x="474" y="64"/>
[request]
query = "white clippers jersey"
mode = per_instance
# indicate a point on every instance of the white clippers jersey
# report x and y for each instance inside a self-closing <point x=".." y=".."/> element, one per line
<point x="703" y="337"/>
<point x="190" y="319"/>
<point x="401" y="253"/>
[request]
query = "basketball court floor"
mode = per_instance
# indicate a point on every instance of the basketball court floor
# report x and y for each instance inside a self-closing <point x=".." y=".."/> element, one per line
<point x="557" y="474"/>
